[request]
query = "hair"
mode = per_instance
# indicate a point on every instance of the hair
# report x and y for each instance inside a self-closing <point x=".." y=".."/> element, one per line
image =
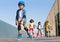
<point x="39" y="22"/>
<point x="21" y="4"/>
<point x="46" y="22"/>
<point x="31" y="20"/>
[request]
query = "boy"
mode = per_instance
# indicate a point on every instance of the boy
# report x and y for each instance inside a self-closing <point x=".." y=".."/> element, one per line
<point x="39" y="27"/>
<point x="21" y="20"/>
<point x="31" y="27"/>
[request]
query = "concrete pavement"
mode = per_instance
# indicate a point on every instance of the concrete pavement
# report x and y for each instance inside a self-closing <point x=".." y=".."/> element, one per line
<point x="44" y="39"/>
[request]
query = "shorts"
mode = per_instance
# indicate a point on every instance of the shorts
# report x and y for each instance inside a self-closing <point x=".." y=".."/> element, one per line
<point x="31" y="29"/>
<point x="19" y="22"/>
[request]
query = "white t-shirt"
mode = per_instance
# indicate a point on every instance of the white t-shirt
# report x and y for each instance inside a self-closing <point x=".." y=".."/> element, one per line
<point x="40" y="27"/>
<point x="20" y="15"/>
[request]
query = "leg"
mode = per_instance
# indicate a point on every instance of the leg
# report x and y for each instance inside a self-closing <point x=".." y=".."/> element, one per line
<point x="33" y="31"/>
<point x="37" y="33"/>
<point x="40" y="33"/>
<point x="19" y="31"/>
<point x="48" y="33"/>
<point x="25" y="28"/>
<point x="29" y="31"/>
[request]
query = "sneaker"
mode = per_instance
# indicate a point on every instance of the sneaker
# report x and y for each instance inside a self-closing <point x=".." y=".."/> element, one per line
<point x="19" y="37"/>
<point x="30" y="36"/>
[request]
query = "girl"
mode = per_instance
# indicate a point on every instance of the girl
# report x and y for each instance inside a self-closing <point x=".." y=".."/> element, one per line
<point x="31" y="27"/>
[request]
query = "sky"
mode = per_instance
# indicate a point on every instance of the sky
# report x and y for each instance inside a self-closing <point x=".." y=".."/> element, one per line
<point x="35" y="9"/>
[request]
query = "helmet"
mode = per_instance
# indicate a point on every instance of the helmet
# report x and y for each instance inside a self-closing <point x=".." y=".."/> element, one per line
<point x="21" y="2"/>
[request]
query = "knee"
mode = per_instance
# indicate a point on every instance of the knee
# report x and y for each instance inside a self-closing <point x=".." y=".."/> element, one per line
<point x="26" y="29"/>
<point x="24" y="25"/>
<point x="19" y="28"/>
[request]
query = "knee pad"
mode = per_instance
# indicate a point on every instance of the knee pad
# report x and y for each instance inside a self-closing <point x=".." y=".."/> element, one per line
<point x="19" y="27"/>
<point x="26" y="29"/>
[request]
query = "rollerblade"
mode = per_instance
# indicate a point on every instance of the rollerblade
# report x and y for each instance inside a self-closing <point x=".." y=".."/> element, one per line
<point x="19" y="37"/>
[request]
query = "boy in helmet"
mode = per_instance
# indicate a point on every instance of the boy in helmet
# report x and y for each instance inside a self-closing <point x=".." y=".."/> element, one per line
<point x="21" y="19"/>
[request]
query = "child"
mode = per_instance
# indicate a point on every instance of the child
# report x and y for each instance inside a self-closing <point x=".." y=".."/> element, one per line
<point x="39" y="27"/>
<point x="47" y="29"/>
<point x="21" y="19"/>
<point x="31" y="27"/>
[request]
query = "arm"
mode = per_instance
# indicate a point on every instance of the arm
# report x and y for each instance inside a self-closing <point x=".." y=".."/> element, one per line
<point x="24" y="15"/>
<point x="29" y="25"/>
<point x="16" y="21"/>
<point x="34" y="26"/>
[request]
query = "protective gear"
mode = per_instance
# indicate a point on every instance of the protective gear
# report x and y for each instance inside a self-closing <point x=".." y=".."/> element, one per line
<point x="19" y="37"/>
<point x="21" y="2"/>
<point x="26" y="29"/>
<point x="30" y="36"/>
<point x="19" y="27"/>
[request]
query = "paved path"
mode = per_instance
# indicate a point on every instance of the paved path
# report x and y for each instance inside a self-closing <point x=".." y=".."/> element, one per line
<point x="44" y="39"/>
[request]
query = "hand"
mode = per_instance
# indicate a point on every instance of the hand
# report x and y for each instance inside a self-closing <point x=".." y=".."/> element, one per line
<point x="16" y="22"/>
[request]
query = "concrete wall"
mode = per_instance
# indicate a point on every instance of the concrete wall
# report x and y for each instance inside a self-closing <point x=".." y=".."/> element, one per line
<point x="59" y="5"/>
<point x="51" y="17"/>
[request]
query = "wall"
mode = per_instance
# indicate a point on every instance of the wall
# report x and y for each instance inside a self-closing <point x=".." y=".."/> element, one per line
<point x="51" y="17"/>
